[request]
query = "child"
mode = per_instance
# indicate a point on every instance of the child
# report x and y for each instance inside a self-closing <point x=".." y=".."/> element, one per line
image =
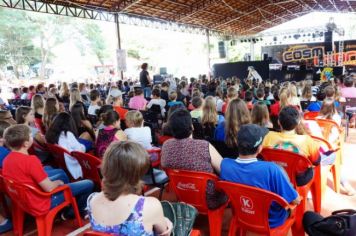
<point x="164" y="91"/>
<point x="24" y="168"/>
<point x="173" y="100"/>
<point x="156" y="100"/>
<point x="260" y="94"/>
<point x="111" y="132"/>
<point x="248" y="170"/>
<point x="197" y="103"/>
<point x="248" y="99"/>
<point x="136" y="131"/>
<point x="94" y="102"/>
<point x="138" y="102"/>
<point x="232" y="93"/>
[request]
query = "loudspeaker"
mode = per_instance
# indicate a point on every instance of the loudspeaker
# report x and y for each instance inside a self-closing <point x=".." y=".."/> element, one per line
<point x="10" y="68"/>
<point x="163" y="70"/>
<point x="328" y="39"/>
<point x="222" y="50"/>
<point x="303" y="67"/>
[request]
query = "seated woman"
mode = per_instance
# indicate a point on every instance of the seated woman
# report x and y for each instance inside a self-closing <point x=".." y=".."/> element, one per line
<point x="135" y="130"/>
<point x="84" y="127"/>
<point x="210" y="118"/>
<point x="64" y="133"/>
<point x="37" y="104"/>
<point x="119" y="209"/>
<point x="237" y="114"/>
<point x="111" y="132"/>
<point x="51" y="109"/>
<point x="25" y="115"/>
<point x="260" y="115"/>
<point x="184" y="152"/>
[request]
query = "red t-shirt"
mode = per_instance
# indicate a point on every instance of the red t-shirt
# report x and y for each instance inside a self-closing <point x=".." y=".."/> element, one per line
<point x="121" y="111"/>
<point x="27" y="169"/>
<point x="224" y="107"/>
<point x="275" y="108"/>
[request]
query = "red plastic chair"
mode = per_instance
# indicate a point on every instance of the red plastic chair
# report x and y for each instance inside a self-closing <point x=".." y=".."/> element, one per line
<point x="291" y="162"/>
<point x="18" y="194"/>
<point x="320" y="179"/>
<point x="250" y="210"/>
<point x="162" y="139"/>
<point x="39" y="125"/>
<point x="36" y="147"/>
<point x="311" y="115"/>
<point x="90" y="166"/>
<point x="190" y="187"/>
<point x="58" y="154"/>
<point x="155" y="162"/>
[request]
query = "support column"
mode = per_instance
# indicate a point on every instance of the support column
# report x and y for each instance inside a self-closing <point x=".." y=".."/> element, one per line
<point x="252" y="51"/>
<point x="118" y="39"/>
<point x="208" y="50"/>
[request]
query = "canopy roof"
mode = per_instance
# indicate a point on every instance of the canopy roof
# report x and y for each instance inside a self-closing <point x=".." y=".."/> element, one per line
<point x="230" y="17"/>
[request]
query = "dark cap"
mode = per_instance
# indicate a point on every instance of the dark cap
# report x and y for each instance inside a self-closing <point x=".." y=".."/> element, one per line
<point x="250" y="136"/>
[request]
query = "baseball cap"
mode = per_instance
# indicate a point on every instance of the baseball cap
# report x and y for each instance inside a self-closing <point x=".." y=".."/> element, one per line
<point x="115" y="93"/>
<point x="250" y="136"/>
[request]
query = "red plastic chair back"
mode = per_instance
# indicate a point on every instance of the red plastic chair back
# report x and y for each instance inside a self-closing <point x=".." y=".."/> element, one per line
<point x="90" y="166"/>
<point x="327" y="126"/>
<point x="39" y="125"/>
<point x="162" y="139"/>
<point x="36" y="147"/>
<point x="311" y="115"/>
<point x="190" y="187"/>
<point x="58" y="154"/>
<point x="155" y="156"/>
<point x="251" y="206"/>
<point x="290" y="161"/>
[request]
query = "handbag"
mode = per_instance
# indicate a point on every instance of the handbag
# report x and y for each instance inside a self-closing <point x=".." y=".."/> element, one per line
<point x="340" y="223"/>
<point x="181" y="215"/>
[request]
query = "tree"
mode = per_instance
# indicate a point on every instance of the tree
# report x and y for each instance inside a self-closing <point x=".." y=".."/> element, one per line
<point x="16" y="44"/>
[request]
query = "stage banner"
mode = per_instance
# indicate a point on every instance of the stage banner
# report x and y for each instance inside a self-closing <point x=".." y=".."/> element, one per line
<point x="305" y="54"/>
<point x="121" y="59"/>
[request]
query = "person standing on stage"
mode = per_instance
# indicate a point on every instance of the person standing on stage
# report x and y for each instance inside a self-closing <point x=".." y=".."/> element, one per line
<point x="145" y="80"/>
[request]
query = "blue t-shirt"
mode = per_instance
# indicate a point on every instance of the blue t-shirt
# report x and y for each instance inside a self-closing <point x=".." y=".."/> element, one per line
<point x="176" y="103"/>
<point x="220" y="132"/>
<point x="315" y="106"/>
<point x="3" y="153"/>
<point x="264" y="175"/>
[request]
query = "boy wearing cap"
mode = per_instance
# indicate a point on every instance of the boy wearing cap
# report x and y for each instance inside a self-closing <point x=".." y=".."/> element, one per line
<point x="248" y="170"/>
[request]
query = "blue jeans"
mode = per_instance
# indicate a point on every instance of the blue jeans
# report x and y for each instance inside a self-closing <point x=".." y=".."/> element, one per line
<point x="81" y="190"/>
<point x="56" y="174"/>
<point x="147" y="92"/>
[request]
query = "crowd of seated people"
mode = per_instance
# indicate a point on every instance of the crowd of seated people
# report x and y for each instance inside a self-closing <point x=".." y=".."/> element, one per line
<point x="114" y="122"/>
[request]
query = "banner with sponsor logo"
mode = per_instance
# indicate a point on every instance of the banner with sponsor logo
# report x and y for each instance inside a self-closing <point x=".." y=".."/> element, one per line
<point x="308" y="53"/>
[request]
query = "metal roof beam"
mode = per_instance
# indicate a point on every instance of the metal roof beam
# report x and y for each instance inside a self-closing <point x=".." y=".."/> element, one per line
<point x="195" y="8"/>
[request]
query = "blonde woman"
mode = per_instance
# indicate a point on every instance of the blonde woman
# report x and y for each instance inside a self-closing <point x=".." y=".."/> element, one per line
<point x="37" y="105"/>
<point x="64" y="93"/>
<point x="75" y="98"/>
<point x="51" y="109"/>
<point x="210" y="115"/>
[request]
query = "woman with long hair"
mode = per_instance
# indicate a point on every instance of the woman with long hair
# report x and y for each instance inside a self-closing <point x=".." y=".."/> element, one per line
<point x="307" y="94"/>
<point x="37" y="105"/>
<point x="120" y="209"/>
<point x="25" y="115"/>
<point x="237" y="114"/>
<point x="75" y="98"/>
<point x="64" y="93"/>
<point x="63" y="132"/>
<point x="260" y="115"/>
<point x="329" y="111"/>
<point x="51" y="109"/>
<point x="84" y="127"/>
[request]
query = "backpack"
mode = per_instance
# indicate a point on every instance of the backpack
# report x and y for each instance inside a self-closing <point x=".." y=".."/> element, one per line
<point x="181" y="215"/>
<point x="340" y="223"/>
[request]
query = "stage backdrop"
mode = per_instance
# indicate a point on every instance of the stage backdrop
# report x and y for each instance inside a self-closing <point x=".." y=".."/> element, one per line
<point x="239" y="69"/>
<point x="303" y="54"/>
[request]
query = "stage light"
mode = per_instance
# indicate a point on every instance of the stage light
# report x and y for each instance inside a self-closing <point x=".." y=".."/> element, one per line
<point x="290" y="36"/>
<point x="296" y="36"/>
<point x="309" y="34"/>
<point x="241" y="41"/>
<point x="261" y="39"/>
<point x="321" y="34"/>
<point x="274" y="38"/>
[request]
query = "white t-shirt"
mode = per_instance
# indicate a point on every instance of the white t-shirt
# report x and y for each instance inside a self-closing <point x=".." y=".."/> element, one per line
<point x="160" y="102"/>
<point x="142" y="135"/>
<point x="92" y="109"/>
<point x="24" y="96"/>
<point x="70" y="143"/>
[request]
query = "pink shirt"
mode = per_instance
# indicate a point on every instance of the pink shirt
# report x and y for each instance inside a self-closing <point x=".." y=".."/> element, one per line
<point x="348" y="92"/>
<point x="137" y="103"/>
